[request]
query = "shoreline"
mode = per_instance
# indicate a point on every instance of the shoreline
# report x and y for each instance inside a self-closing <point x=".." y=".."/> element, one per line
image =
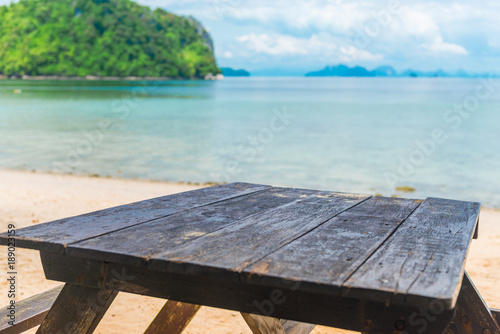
<point x="86" y="78"/>
<point x="401" y="191"/>
<point x="103" y="78"/>
<point x="109" y="177"/>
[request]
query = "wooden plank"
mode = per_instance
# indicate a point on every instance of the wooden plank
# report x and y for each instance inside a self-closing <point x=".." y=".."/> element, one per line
<point x="173" y="318"/>
<point x="323" y="259"/>
<point x="260" y="324"/>
<point x="472" y="315"/>
<point x="295" y="327"/>
<point x="289" y="303"/>
<point x="228" y="251"/>
<point x="54" y="236"/>
<point x="77" y="310"/>
<point x="423" y="259"/>
<point x="167" y="233"/>
<point x="263" y="325"/>
<point x="496" y="314"/>
<point x="29" y="312"/>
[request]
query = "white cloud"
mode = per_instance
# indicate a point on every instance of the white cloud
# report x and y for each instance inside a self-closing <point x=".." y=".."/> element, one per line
<point x="415" y="23"/>
<point x="303" y="16"/>
<point x="350" y="54"/>
<point x="438" y="47"/>
<point x="321" y="47"/>
<point x="306" y="28"/>
<point x="228" y="54"/>
<point x="277" y="44"/>
<point x="495" y="44"/>
<point x="419" y="31"/>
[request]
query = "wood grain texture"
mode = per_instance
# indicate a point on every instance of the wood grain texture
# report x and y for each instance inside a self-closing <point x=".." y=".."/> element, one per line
<point x="287" y="303"/>
<point x="496" y="314"/>
<point x="423" y="259"/>
<point x="173" y="318"/>
<point x="260" y="324"/>
<point x="472" y="315"/>
<point x="323" y="259"/>
<point x="226" y="252"/>
<point x="30" y="312"/>
<point x="154" y="237"/>
<point x="384" y="251"/>
<point x="263" y="325"/>
<point x="295" y="327"/>
<point x="54" y="236"/>
<point x="77" y="310"/>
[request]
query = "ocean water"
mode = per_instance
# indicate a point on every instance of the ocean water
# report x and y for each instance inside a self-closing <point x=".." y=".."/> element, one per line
<point x="366" y="135"/>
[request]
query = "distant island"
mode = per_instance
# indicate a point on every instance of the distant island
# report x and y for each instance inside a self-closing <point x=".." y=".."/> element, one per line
<point x="385" y="71"/>
<point x="105" y="38"/>
<point x="229" y="72"/>
<point x="358" y="71"/>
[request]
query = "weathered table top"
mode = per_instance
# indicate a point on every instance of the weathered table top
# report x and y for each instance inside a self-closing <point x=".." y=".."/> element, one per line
<point x="390" y="250"/>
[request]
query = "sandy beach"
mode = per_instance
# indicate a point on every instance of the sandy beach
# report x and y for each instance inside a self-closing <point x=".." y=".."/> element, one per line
<point x="32" y="198"/>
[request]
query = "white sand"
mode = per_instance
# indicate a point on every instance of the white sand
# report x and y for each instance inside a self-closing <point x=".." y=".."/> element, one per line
<point x="31" y="198"/>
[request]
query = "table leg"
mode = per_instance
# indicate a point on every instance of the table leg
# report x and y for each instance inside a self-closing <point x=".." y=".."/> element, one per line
<point x="267" y="325"/>
<point x="77" y="310"/>
<point x="294" y="327"/>
<point x="496" y="314"/>
<point x="173" y="318"/>
<point x="263" y="325"/>
<point x="472" y="315"/>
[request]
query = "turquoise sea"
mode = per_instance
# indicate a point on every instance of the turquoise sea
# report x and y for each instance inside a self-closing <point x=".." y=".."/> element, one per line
<point x="368" y="135"/>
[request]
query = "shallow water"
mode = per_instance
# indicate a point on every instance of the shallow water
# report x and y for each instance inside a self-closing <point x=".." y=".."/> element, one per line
<point x="366" y="135"/>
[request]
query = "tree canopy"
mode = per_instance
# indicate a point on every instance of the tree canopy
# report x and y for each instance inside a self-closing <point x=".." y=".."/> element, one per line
<point x="101" y="38"/>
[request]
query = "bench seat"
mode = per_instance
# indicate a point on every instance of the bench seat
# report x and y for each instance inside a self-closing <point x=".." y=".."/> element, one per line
<point x="30" y="312"/>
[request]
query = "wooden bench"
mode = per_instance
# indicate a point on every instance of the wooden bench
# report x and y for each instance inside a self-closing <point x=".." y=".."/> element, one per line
<point x="29" y="312"/>
<point x="173" y="318"/>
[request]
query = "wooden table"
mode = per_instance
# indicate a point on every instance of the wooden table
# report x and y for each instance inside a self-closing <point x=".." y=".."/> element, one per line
<point x="369" y="264"/>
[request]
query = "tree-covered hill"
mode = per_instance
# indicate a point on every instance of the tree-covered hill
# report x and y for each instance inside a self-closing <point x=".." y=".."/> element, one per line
<point x="101" y="38"/>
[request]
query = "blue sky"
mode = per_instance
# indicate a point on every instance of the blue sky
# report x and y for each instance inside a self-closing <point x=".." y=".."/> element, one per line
<point x="293" y="37"/>
<point x="298" y="36"/>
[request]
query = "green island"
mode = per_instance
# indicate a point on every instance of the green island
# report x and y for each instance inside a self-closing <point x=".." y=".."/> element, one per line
<point x="101" y="38"/>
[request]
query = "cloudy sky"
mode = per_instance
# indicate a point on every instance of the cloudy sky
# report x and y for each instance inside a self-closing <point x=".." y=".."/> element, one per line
<point x="296" y="36"/>
<point x="292" y="37"/>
